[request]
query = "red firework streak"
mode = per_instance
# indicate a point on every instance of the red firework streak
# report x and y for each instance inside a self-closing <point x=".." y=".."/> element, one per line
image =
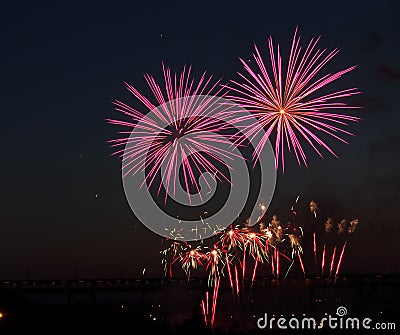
<point x="323" y="261"/>
<point x="237" y="281"/>
<point x="214" y="260"/>
<point x="229" y="271"/>
<point x="301" y="264"/>
<point x="277" y="264"/>
<point x="204" y="309"/>
<point x="233" y="277"/>
<point x="315" y="247"/>
<point x="332" y="261"/>
<point x="340" y="259"/>
<point x="209" y="315"/>
<point x="282" y="101"/>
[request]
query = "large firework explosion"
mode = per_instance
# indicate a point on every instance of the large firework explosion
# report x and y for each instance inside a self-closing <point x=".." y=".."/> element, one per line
<point x="289" y="103"/>
<point x="183" y="128"/>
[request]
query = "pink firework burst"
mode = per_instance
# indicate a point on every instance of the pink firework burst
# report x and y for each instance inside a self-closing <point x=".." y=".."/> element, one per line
<point x="159" y="146"/>
<point x="288" y="103"/>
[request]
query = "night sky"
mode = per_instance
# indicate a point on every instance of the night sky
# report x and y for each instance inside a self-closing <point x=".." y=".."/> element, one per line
<point x="63" y="209"/>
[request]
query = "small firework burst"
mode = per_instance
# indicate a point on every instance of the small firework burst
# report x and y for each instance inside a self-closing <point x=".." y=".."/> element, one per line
<point x="191" y="259"/>
<point x="214" y="263"/>
<point x="171" y="254"/>
<point x="232" y="238"/>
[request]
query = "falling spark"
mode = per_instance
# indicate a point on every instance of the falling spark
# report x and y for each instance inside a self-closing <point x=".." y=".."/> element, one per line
<point x="340" y="259"/>
<point x="301" y="264"/>
<point x="229" y="272"/>
<point x="209" y="317"/>
<point x="213" y="262"/>
<point x="254" y="273"/>
<point x="332" y="261"/>
<point x="204" y="309"/>
<point x="277" y="264"/>
<point x="323" y="261"/>
<point x="215" y="297"/>
<point x="315" y="246"/>
<point x="237" y="281"/>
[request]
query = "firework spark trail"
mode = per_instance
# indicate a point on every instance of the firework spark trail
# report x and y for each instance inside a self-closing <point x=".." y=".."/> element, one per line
<point x="340" y="259"/>
<point x="171" y="145"/>
<point x="214" y="261"/>
<point x="273" y="265"/>
<point x="244" y="264"/>
<point x="209" y="316"/>
<point x="254" y="273"/>
<point x="296" y="249"/>
<point x="301" y="264"/>
<point x="237" y="281"/>
<point x="276" y="260"/>
<point x="332" y="261"/>
<point x="277" y="255"/>
<point x="323" y="262"/>
<point x="277" y="264"/>
<point x="254" y="245"/>
<point x="204" y="309"/>
<point x="228" y="265"/>
<point x="285" y="256"/>
<point x="283" y="102"/>
<point x="214" y="302"/>
<point x="173" y="252"/>
<point x="315" y="247"/>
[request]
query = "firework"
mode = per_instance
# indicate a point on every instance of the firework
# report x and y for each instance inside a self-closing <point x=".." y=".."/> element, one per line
<point x="296" y="251"/>
<point x="231" y="242"/>
<point x="182" y="129"/>
<point x="192" y="258"/>
<point x="332" y="261"/>
<point x="171" y="255"/>
<point x="255" y="245"/>
<point x="232" y="239"/>
<point x="295" y="244"/>
<point x="209" y="315"/>
<point x="323" y="260"/>
<point x="286" y="103"/>
<point x="239" y="252"/>
<point x="204" y="308"/>
<point x="275" y="236"/>
<point x="340" y="259"/>
<point x="214" y="263"/>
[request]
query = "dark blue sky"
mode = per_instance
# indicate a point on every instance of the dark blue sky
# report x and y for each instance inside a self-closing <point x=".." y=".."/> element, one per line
<point x="63" y="64"/>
